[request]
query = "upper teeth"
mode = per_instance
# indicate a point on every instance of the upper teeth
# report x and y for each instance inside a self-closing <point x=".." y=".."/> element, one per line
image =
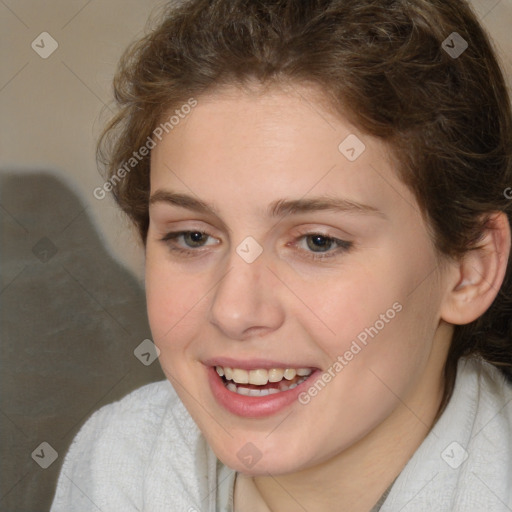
<point x="260" y="377"/>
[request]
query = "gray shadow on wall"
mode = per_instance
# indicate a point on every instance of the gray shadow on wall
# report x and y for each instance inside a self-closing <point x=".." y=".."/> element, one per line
<point x="71" y="317"/>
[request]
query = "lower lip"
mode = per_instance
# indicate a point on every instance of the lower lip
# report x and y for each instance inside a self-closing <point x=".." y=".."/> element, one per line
<point x="253" y="406"/>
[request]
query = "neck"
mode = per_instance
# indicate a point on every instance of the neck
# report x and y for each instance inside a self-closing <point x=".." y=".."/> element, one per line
<point x="355" y="479"/>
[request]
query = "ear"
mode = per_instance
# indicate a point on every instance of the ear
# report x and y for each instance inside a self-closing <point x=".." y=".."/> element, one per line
<point x="475" y="280"/>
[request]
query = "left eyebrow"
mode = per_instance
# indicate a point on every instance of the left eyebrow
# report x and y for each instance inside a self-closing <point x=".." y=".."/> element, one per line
<point x="278" y="208"/>
<point x="335" y="204"/>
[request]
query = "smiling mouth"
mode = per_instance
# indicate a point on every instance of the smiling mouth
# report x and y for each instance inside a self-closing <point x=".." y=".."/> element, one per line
<point x="262" y="382"/>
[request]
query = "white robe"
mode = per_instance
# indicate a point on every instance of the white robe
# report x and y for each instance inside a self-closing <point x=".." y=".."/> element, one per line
<point x="145" y="453"/>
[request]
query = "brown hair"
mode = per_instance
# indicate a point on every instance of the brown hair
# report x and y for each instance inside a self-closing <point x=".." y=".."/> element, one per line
<point x="384" y="64"/>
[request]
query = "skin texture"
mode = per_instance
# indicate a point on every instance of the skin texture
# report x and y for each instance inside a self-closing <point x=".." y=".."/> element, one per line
<point x="239" y="151"/>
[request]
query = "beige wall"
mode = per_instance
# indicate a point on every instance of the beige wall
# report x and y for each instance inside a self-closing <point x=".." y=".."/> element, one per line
<point x="50" y="108"/>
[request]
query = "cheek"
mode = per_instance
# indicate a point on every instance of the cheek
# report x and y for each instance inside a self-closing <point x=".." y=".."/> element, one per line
<point x="344" y="306"/>
<point x="173" y="303"/>
<point x="370" y="316"/>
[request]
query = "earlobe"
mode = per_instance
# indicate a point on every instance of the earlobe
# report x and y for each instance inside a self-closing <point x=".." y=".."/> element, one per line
<point x="477" y="278"/>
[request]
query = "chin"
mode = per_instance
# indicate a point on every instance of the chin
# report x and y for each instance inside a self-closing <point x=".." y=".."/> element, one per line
<point x="254" y="459"/>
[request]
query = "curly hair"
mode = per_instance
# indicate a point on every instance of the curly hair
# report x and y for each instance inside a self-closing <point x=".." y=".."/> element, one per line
<point x="383" y="64"/>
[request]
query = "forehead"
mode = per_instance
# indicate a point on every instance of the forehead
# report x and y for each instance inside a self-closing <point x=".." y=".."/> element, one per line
<point x="266" y="144"/>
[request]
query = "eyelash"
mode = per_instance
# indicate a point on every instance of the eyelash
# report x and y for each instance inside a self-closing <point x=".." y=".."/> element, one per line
<point x="343" y="245"/>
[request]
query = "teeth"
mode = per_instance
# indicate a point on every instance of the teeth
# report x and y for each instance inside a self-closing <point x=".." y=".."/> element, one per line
<point x="241" y="390"/>
<point x="285" y="387"/>
<point x="258" y="377"/>
<point x="261" y="376"/>
<point x="289" y="373"/>
<point x="275" y="375"/>
<point x="240" y="376"/>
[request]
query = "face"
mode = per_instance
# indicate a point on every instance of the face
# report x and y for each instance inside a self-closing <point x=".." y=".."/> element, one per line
<point x="275" y="243"/>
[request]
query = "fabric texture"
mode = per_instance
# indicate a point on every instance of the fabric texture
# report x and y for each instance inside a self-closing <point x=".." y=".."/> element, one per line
<point x="145" y="453"/>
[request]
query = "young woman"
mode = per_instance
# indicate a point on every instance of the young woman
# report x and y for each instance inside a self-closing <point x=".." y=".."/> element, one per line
<point x="322" y="189"/>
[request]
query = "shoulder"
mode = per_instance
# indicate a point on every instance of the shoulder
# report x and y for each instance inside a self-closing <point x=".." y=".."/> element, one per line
<point x="486" y="460"/>
<point x="144" y="405"/>
<point x="128" y="423"/>
<point x="493" y="388"/>
<point x="493" y="400"/>
<point x="114" y="450"/>
<point x="464" y="463"/>
<point x="140" y="411"/>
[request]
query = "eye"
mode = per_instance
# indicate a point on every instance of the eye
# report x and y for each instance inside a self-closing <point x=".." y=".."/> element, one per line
<point x="318" y="245"/>
<point x="193" y="240"/>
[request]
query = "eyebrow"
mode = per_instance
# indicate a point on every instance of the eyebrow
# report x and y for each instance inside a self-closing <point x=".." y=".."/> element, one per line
<point x="277" y="208"/>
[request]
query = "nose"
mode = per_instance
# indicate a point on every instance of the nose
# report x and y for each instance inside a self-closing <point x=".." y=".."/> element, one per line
<point x="246" y="303"/>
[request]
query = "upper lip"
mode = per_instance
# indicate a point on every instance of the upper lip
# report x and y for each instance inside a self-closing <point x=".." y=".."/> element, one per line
<point x="253" y="364"/>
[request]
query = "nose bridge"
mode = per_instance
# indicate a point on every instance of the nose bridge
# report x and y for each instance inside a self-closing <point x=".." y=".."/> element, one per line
<point x="244" y="299"/>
